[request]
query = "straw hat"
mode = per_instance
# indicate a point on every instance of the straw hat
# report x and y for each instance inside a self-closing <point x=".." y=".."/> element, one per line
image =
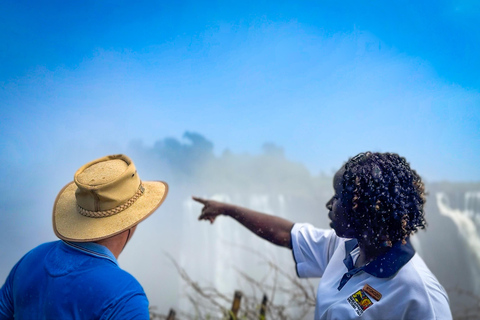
<point x="106" y="198"/>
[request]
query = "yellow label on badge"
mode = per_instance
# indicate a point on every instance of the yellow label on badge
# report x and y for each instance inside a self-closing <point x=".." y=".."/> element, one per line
<point x="360" y="301"/>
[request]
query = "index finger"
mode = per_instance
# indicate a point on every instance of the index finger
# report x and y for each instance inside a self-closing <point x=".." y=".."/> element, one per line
<point x="202" y="201"/>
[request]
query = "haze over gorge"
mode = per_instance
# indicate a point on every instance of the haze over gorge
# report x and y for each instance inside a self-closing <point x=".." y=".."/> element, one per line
<point x="215" y="255"/>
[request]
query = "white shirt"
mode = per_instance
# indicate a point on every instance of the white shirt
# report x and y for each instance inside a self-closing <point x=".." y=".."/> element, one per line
<point x="397" y="285"/>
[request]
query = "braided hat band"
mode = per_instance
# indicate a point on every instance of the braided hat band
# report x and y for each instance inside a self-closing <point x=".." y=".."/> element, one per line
<point x="111" y="212"/>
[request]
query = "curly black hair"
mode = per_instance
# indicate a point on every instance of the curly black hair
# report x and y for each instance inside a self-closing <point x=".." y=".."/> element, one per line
<point x="383" y="196"/>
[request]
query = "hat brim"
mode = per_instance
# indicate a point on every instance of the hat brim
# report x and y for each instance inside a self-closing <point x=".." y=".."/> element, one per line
<point x="70" y="225"/>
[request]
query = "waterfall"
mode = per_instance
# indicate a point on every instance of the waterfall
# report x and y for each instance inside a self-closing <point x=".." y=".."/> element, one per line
<point x="467" y="221"/>
<point x="220" y="252"/>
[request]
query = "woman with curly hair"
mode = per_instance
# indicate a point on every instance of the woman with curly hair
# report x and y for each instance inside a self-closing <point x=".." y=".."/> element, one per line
<point x="368" y="267"/>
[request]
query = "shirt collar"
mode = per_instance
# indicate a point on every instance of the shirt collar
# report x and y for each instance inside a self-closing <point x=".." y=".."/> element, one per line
<point x="387" y="264"/>
<point x="93" y="249"/>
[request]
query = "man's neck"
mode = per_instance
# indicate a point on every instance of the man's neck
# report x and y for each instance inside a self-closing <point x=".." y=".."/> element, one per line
<point x="116" y="243"/>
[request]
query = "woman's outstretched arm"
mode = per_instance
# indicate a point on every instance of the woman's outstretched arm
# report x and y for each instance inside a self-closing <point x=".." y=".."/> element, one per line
<point x="271" y="228"/>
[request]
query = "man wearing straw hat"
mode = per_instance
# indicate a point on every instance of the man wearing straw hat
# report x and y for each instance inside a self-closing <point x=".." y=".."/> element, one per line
<point x="79" y="278"/>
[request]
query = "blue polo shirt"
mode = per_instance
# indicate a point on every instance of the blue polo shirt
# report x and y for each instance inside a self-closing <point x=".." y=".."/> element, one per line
<point x="66" y="280"/>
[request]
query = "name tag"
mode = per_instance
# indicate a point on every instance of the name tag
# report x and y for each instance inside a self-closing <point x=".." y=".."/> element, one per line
<point x="372" y="292"/>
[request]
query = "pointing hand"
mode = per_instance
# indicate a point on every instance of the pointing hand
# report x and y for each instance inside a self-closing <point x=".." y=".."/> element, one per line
<point x="211" y="209"/>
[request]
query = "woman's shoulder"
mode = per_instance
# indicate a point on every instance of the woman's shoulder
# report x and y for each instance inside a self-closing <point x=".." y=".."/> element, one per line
<point x="416" y="273"/>
<point x="425" y="277"/>
<point x="314" y="232"/>
<point x="307" y="234"/>
<point x="419" y="287"/>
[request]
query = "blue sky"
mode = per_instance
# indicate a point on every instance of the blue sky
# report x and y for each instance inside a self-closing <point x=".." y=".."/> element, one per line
<point x="324" y="80"/>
